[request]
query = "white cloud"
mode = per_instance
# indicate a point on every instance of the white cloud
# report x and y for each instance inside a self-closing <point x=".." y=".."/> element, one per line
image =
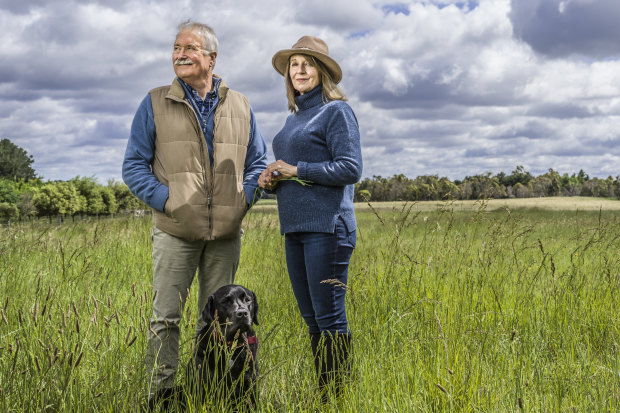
<point x="444" y="87"/>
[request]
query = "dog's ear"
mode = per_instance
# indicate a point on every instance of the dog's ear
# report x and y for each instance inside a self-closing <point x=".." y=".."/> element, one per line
<point x="208" y="312"/>
<point x="254" y="308"/>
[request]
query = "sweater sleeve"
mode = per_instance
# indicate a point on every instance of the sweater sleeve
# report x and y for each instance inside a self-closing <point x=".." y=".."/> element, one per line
<point x="139" y="154"/>
<point x="343" y="142"/>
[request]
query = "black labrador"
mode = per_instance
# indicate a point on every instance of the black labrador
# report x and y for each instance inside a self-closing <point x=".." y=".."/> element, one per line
<point x="225" y="362"/>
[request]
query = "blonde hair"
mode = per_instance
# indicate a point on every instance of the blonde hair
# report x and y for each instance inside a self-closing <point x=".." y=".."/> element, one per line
<point x="331" y="91"/>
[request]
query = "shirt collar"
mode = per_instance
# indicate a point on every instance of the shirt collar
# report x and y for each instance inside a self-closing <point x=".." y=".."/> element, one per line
<point x="192" y="93"/>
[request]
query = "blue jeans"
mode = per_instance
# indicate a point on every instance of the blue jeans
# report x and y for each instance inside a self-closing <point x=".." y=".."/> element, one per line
<point x="313" y="257"/>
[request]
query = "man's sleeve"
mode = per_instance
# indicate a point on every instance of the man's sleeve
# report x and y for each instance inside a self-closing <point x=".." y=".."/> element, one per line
<point x="137" y="171"/>
<point x="255" y="162"/>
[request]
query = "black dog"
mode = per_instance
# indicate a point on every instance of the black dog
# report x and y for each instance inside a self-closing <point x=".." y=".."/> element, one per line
<point x="225" y="361"/>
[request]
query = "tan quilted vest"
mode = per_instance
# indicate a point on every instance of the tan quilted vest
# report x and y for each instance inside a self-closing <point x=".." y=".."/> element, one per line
<point x="204" y="202"/>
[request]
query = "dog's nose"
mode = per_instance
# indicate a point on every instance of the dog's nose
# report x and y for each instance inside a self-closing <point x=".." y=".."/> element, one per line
<point x="242" y="314"/>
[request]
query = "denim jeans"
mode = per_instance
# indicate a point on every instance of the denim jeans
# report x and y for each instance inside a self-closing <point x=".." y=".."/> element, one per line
<point x="314" y="257"/>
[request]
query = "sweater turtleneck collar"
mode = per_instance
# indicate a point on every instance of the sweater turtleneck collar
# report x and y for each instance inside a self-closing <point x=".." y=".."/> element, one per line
<point x="310" y="99"/>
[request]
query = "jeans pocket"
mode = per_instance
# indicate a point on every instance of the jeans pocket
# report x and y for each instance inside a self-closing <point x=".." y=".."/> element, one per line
<point x="346" y="238"/>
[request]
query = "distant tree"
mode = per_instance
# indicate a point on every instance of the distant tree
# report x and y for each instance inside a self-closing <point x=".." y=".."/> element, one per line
<point x="554" y="188"/>
<point x="377" y="186"/>
<point x="15" y="163"/>
<point x="19" y="194"/>
<point x="8" y="191"/>
<point x="598" y="187"/>
<point x="482" y="186"/>
<point x="26" y="205"/>
<point x="519" y="175"/>
<point x="8" y="211"/>
<point x="125" y="200"/>
<point x="447" y="190"/>
<point x="427" y="188"/>
<point x="57" y="198"/>
<point x="522" y="191"/>
<point x="92" y="195"/>
<point x="582" y="176"/>
<point x="399" y="187"/>
<point x="571" y="186"/>
<point x="540" y="186"/>
<point x="109" y="200"/>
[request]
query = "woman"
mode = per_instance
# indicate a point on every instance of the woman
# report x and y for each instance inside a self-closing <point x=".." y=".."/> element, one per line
<point x="319" y="143"/>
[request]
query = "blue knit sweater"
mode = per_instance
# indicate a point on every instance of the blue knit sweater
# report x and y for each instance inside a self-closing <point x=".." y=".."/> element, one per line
<point x="323" y="140"/>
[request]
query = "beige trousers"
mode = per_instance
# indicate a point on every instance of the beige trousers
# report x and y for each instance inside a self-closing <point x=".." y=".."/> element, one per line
<point x="175" y="262"/>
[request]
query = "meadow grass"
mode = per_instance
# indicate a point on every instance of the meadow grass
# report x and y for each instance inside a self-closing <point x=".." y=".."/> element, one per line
<point x="452" y="309"/>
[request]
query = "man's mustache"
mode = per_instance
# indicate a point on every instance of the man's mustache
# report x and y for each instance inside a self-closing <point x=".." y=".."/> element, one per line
<point x="183" y="62"/>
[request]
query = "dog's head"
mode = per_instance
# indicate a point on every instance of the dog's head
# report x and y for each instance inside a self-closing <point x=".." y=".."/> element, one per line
<point x="234" y="307"/>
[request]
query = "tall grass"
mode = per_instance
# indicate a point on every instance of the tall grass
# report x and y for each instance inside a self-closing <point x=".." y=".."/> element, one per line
<point x="451" y="310"/>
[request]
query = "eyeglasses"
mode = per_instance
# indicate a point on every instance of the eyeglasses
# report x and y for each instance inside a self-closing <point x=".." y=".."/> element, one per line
<point x="189" y="49"/>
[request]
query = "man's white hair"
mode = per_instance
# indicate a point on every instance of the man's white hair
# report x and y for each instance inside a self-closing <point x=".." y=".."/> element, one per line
<point x="209" y="40"/>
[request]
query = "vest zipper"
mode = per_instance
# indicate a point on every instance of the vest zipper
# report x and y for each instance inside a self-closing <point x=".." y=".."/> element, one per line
<point x="206" y="170"/>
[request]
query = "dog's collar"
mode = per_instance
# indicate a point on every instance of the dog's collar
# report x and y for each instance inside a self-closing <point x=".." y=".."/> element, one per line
<point x="239" y="343"/>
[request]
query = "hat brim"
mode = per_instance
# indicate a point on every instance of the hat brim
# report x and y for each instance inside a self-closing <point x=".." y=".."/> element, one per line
<point x="280" y="62"/>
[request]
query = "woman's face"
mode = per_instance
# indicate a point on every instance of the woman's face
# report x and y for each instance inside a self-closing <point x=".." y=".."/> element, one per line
<point x="304" y="76"/>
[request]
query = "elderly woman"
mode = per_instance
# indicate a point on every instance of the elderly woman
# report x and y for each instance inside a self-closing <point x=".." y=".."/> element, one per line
<point x="319" y="143"/>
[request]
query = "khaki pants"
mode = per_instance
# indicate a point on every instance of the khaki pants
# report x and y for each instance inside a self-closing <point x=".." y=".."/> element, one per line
<point x="175" y="262"/>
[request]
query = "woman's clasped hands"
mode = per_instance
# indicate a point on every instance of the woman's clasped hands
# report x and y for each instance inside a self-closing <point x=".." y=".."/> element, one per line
<point x="274" y="172"/>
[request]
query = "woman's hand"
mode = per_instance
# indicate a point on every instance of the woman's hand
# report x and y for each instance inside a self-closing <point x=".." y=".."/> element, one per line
<point x="275" y="171"/>
<point x="266" y="181"/>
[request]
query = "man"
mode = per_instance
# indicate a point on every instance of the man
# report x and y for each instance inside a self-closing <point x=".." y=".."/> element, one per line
<point x="194" y="155"/>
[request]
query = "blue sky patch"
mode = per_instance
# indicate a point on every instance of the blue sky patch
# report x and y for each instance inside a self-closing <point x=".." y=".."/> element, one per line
<point x="396" y="8"/>
<point x="359" y="34"/>
<point x="468" y="5"/>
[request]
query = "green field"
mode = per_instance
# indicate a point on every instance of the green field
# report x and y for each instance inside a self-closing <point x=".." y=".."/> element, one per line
<point x="453" y="307"/>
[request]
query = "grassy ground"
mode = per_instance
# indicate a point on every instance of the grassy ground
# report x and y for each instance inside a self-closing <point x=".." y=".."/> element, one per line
<point x="453" y="308"/>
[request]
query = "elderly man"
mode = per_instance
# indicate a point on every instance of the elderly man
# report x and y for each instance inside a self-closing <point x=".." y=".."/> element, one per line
<point x="194" y="155"/>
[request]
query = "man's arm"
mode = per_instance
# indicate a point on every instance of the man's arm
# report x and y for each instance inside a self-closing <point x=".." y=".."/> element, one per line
<point x="255" y="162"/>
<point x="137" y="171"/>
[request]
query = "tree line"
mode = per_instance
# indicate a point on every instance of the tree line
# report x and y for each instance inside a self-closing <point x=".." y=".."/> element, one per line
<point x="519" y="184"/>
<point x="80" y="196"/>
<point x="24" y="195"/>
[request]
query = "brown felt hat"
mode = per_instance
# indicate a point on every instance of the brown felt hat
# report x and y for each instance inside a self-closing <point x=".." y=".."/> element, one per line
<point x="312" y="46"/>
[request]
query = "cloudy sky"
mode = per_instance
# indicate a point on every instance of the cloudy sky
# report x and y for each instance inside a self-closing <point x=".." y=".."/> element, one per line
<point x="440" y="87"/>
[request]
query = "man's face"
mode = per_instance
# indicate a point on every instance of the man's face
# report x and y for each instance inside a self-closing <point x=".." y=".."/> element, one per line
<point x="188" y="58"/>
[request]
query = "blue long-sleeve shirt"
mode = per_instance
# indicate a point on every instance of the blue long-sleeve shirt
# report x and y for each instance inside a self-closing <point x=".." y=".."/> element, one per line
<point x="137" y="172"/>
<point x="323" y="141"/>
